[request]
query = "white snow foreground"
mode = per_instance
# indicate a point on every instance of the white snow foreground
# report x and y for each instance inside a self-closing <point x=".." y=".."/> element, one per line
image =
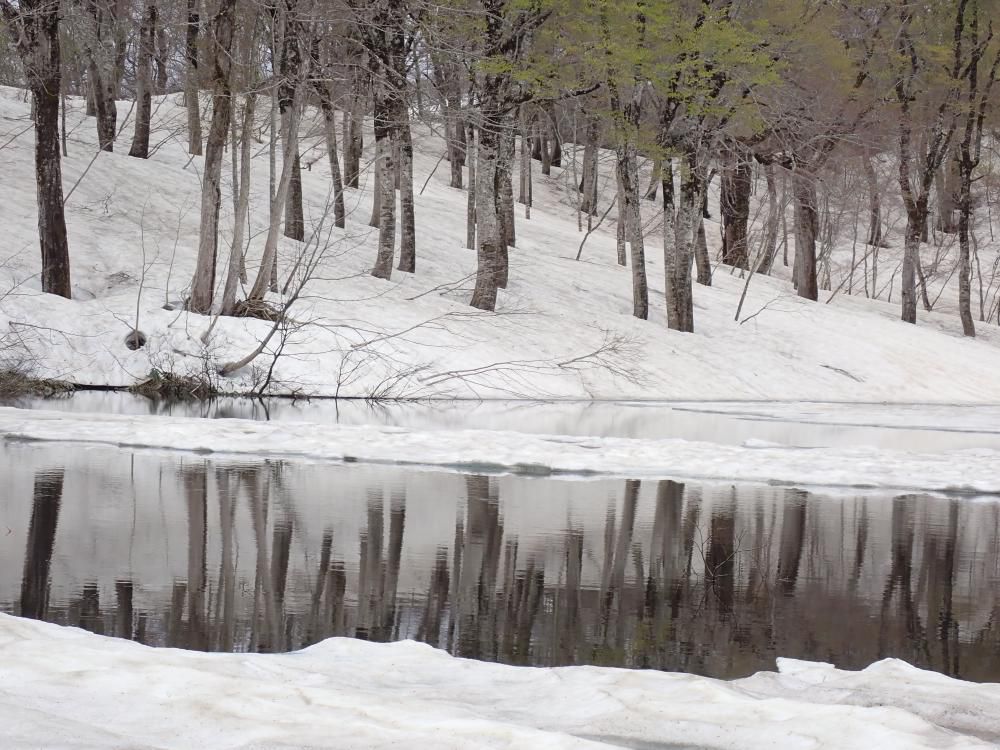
<point x="66" y="688"/>
<point x="970" y="471"/>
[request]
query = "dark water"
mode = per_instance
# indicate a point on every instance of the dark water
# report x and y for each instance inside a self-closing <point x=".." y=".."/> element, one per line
<point x="711" y="579"/>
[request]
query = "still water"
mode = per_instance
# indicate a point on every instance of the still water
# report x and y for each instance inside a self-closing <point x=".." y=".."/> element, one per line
<point x="712" y="579"/>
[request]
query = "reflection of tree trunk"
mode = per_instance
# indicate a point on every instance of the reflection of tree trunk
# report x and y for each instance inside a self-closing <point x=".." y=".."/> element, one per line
<point x="196" y="493"/>
<point x="265" y="623"/>
<point x="436" y="600"/>
<point x="900" y="577"/>
<point x="616" y="580"/>
<point x="793" y="525"/>
<point x="41" y="541"/>
<point x="90" y="609"/>
<point x="860" y="544"/>
<point x="720" y="560"/>
<point x="319" y="628"/>
<point x="475" y="598"/>
<point x="941" y="591"/>
<point x="532" y="583"/>
<point x="281" y="547"/>
<point x="569" y="631"/>
<point x="227" y="566"/>
<point x="370" y="546"/>
<point x="397" y="522"/>
<point x="666" y="551"/>
<point x="123" y="609"/>
<point x="665" y="556"/>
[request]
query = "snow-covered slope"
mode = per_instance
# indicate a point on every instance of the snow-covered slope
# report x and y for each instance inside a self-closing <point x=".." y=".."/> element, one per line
<point x="65" y="688"/>
<point x="563" y="327"/>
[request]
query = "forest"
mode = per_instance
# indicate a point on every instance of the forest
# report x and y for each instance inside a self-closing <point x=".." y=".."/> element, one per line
<point x="846" y="146"/>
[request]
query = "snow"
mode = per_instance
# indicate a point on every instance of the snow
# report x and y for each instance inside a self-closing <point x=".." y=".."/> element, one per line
<point x="133" y="225"/>
<point x="908" y="427"/>
<point x="65" y="688"/>
<point x="970" y="470"/>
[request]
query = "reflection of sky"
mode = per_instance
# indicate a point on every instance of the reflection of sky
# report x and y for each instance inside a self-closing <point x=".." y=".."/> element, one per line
<point x="901" y="427"/>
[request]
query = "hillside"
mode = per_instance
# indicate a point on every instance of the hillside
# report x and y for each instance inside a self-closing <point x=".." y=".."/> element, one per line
<point x="563" y="328"/>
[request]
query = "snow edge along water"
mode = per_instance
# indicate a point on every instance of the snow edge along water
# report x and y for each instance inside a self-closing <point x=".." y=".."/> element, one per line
<point x="968" y="472"/>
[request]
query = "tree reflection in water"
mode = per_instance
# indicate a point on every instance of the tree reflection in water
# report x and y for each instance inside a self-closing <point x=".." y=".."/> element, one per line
<point x="717" y="581"/>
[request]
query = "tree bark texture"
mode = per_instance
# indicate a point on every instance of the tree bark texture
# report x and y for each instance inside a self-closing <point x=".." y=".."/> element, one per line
<point x="144" y="83"/>
<point x="407" y="217"/>
<point x="806" y="230"/>
<point x="203" y="283"/>
<point x="735" y="208"/>
<point x="191" y="82"/>
<point x="37" y="40"/>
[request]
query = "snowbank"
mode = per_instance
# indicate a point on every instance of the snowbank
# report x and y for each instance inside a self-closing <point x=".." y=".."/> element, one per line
<point x="482" y="451"/>
<point x="66" y="688"/>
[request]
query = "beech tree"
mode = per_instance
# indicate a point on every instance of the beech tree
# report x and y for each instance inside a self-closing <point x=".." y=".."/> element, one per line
<point x="35" y="27"/>
<point x="221" y="39"/>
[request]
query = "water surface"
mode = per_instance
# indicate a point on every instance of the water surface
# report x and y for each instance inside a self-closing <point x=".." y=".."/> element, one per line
<point x="713" y="579"/>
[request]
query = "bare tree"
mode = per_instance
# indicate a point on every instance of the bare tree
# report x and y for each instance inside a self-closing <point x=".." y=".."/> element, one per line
<point x="36" y="30"/>
<point x="203" y="283"/>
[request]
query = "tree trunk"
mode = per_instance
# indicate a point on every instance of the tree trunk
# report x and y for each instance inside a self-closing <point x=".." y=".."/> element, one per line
<point x="655" y="179"/>
<point x="376" y="214"/>
<point x="144" y="83"/>
<point x="266" y="273"/>
<point x="470" y="205"/>
<point x="330" y="127"/>
<point x="484" y="296"/>
<point x="407" y="219"/>
<point x="628" y="174"/>
<point x="948" y="186"/>
<point x="161" y="56"/>
<point x="291" y="67"/>
<point x="964" y="264"/>
<point x="806" y="229"/>
<point x="671" y="260"/>
<point x="236" y="264"/>
<point x="203" y="283"/>
<point x="588" y="184"/>
<point x="505" y="191"/>
<point x="689" y="212"/>
<point x="555" y="157"/>
<point x="295" y="225"/>
<point x="911" y="256"/>
<point x="191" y="83"/>
<point x="451" y="85"/>
<point x="874" y="202"/>
<point x="38" y="46"/>
<point x="700" y="186"/>
<point x="543" y="145"/>
<point x="621" y="231"/>
<point x="385" y="193"/>
<point x="735" y="208"/>
<point x="770" y="249"/>
<point x="104" y="105"/>
<point x="354" y="138"/>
